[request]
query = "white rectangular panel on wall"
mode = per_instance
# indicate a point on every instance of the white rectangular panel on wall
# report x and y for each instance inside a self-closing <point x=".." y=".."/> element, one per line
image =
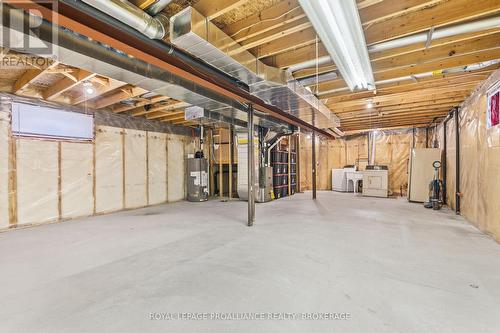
<point x="42" y="121"/>
<point x="37" y="181"/>
<point x="4" y="170"/>
<point x="157" y="167"/>
<point x="77" y="198"/>
<point x="108" y="169"/>
<point x="176" y="168"/>
<point x="135" y="169"/>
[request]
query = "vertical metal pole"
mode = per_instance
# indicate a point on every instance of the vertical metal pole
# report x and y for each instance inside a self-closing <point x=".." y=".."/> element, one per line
<point x="457" y="162"/>
<point x="231" y="159"/>
<point x="313" y="136"/>
<point x="251" y="168"/>
<point x="297" y="167"/>
<point x="444" y="164"/>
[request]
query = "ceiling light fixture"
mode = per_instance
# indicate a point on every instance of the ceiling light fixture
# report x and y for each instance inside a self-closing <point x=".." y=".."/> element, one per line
<point x="369" y="105"/>
<point x="338" y="25"/>
<point x="89" y="87"/>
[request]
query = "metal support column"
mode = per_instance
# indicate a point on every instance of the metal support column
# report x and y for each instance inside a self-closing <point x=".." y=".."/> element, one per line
<point x="457" y="161"/>
<point x="251" y="167"/>
<point x="313" y="137"/>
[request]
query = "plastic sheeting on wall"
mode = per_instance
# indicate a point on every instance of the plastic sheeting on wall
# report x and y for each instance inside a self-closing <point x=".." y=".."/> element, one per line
<point x="176" y="168"/>
<point x="157" y="168"/>
<point x="77" y="174"/>
<point x="391" y="148"/>
<point x="450" y="163"/>
<point x="135" y="168"/>
<point x="108" y="169"/>
<point x="479" y="162"/>
<point x="62" y="179"/>
<point x="4" y="169"/>
<point x="37" y="181"/>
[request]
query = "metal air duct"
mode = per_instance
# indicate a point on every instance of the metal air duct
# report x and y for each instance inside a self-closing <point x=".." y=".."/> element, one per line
<point x="192" y="32"/>
<point x="81" y="52"/>
<point x="155" y="27"/>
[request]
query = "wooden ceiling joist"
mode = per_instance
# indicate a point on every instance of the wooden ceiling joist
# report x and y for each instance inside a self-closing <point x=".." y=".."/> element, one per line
<point x="66" y="84"/>
<point x="281" y="14"/>
<point x="31" y="75"/>
<point x="119" y="95"/>
<point x="212" y="9"/>
<point x="118" y="108"/>
<point x="443" y="13"/>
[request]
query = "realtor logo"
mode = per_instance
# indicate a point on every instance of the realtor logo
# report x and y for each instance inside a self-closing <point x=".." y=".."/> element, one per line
<point x="27" y="27"/>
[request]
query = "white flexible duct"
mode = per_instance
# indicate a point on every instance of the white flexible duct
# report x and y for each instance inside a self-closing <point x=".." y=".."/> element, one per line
<point x="153" y="27"/>
<point x="485" y="24"/>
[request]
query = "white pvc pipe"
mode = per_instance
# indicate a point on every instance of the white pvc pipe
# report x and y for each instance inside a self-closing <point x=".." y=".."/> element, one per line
<point x="489" y="23"/>
<point x="468" y="68"/>
<point x="485" y="24"/>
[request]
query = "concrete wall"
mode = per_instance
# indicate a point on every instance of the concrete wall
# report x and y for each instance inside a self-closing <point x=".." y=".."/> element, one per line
<point x="121" y="169"/>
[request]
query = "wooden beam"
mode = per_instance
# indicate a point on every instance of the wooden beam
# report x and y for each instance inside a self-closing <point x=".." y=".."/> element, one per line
<point x="214" y="8"/>
<point x="399" y="114"/>
<point x="384" y="10"/>
<point x="172" y="118"/>
<point x="413" y="54"/>
<point x="406" y="97"/>
<point x="119" y="95"/>
<point x="66" y="84"/>
<point x="295" y="56"/>
<point x="443" y="13"/>
<point x="283" y="13"/>
<point x="287" y="43"/>
<point x="409" y="85"/>
<point x="31" y="75"/>
<point x="118" y="108"/>
<point x="366" y="3"/>
<point x="142" y="4"/>
<point x="99" y="91"/>
<point x="276" y="33"/>
<point x="381" y="129"/>
<point x="429" y="66"/>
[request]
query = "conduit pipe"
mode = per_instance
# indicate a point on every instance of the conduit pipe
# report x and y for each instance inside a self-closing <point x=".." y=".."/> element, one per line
<point x="154" y="27"/>
<point x="469" y="27"/>
<point x="473" y="67"/>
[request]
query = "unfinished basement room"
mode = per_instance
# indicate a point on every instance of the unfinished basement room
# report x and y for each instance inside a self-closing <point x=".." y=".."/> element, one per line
<point x="250" y="166"/>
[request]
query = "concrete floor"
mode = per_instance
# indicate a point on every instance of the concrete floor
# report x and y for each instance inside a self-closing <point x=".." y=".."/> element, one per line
<point x="393" y="266"/>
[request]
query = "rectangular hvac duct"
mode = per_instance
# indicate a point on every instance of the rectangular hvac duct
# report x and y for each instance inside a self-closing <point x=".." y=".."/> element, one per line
<point x="192" y="32"/>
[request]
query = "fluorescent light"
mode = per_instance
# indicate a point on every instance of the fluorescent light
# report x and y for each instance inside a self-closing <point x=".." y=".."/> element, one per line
<point x="338" y="25"/>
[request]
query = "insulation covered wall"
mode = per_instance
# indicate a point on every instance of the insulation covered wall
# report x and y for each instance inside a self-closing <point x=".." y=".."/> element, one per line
<point x="157" y="168"/>
<point x="77" y="174"/>
<point x="109" y="169"/>
<point x="391" y="148"/>
<point x="176" y="168"/>
<point x="135" y="167"/>
<point x="46" y="180"/>
<point x="4" y="169"/>
<point x="123" y="168"/>
<point x="479" y="161"/>
<point x="37" y="181"/>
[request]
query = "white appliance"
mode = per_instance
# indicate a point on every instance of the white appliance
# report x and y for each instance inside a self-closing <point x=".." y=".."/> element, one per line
<point x="421" y="172"/>
<point x="375" y="183"/>
<point x="339" y="179"/>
